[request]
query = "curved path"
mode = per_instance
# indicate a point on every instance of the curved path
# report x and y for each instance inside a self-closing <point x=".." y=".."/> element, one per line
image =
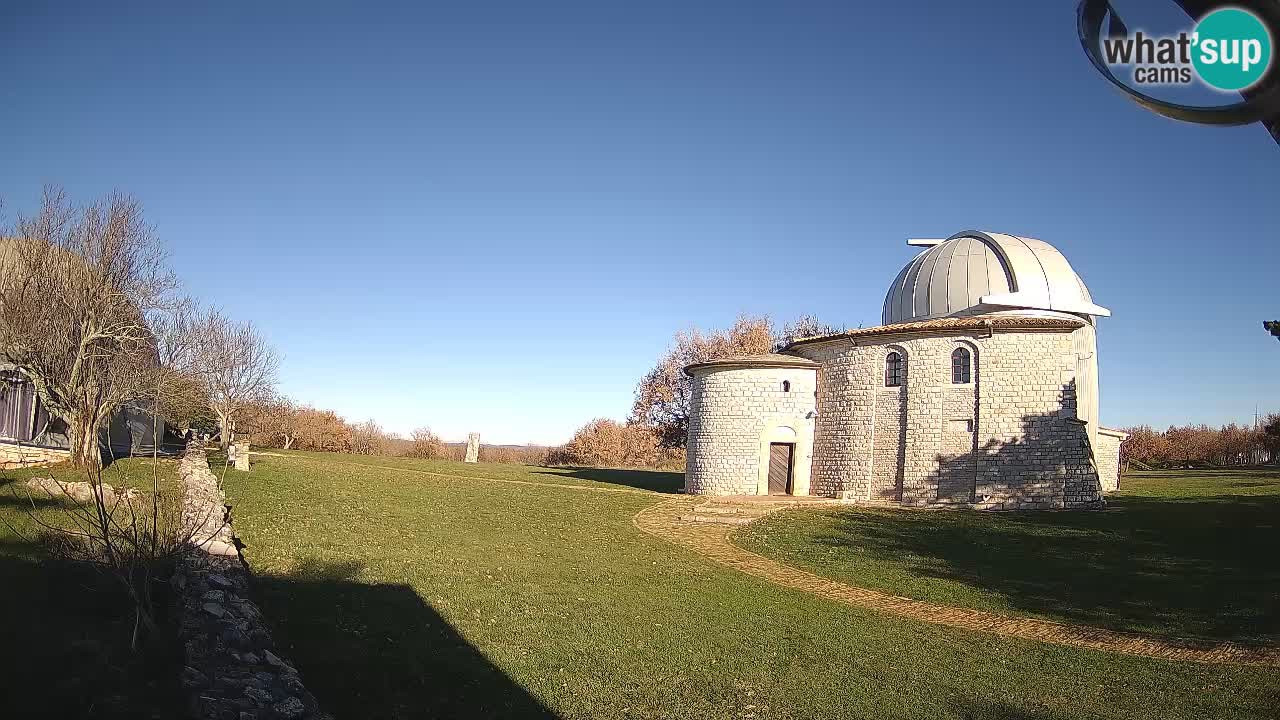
<point x="712" y="540"/>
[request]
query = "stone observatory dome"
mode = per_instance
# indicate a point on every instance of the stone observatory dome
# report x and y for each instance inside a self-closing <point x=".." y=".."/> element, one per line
<point x="973" y="272"/>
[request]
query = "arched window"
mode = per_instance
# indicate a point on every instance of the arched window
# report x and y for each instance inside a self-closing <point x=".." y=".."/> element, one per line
<point x="960" y="366"/>
<point x="786" y="386"/>
<point x="893" y="367"/>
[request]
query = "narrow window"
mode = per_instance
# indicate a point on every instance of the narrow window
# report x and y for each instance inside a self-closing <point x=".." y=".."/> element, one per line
<point x="893" y="370"/>
<point x="960" y="368"/>
<point x="786" y="386"/>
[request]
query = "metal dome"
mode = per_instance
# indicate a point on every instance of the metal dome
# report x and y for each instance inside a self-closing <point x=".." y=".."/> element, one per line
<point x="974" y="272"/>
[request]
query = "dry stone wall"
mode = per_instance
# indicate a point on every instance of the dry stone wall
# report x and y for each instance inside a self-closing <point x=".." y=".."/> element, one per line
<point x="13" y="455"/>
<point x="732" y="409"/>
<point x="232" y="670"/>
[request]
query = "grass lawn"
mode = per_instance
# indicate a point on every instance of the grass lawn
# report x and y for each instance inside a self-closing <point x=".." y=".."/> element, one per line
<point x="408" y="588"/>
<point x="1192" y="554"/>
<point x="66" y="628"/>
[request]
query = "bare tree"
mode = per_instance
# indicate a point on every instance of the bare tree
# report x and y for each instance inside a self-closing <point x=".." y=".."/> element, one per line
<point x="279" y="421"/>
<point x="426" y="444"/>
<point x="132" y="532"/>
<point x="368" y="438"/>
<point x="76" y="286"/>
<point x="802" y="327"/>
<point x="237" y="366"/>
<point x="663" y="395"/>
<point x="322" y="430"/>
<point x="180" y="394"/>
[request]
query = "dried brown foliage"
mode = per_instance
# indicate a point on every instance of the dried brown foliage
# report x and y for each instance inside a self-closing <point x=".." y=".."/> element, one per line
<point x="1187" y="445"/>
<point x="425" y="444"/>
<point x="606" y="443"/>
<point x="509" y="454"/>
<point x="663" y="395"/>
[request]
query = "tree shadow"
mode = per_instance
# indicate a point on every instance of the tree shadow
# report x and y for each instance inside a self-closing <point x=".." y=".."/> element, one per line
<point x="977" y="709"/>
<point x="66" y="643"/>
<point x="662" y="481"/>
<point x="14" y="495"/>
<point x="1194" y="567"/>
<point x="379" y="651"/>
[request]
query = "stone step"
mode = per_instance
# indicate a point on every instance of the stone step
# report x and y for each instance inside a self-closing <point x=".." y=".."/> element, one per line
<point x="718" y="519"/>
<point x="734" y="510"/>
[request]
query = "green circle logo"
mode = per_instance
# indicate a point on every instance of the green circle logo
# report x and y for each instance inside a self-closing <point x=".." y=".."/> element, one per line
<point x="1232" y="49"/>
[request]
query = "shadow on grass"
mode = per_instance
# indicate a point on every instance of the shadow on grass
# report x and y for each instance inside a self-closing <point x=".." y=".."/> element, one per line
<point x="14" y="494"/>
<point x="1204" y="567"/>
<point x="66" y="644"/>
<point x="656" y="480"/>
<point x="999" y="710"/>
<point x="1198" y="563"/>
<point x="380" y="651"/>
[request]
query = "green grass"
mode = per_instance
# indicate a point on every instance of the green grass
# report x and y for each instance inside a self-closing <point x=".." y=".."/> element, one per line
<point x="417" y="592"/>
<point x="1193" y="554"/>
<point x="64" y="647"/>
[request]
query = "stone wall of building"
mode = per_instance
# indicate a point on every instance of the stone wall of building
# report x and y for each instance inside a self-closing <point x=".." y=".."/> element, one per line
<point x="735" y="413"/>
<point x="888" y="445"/>
<point x="1033" y="451"/>
<point x="1108" y="457"/>
<point x="1009" y="439"/>
<point x="846" y="419"/>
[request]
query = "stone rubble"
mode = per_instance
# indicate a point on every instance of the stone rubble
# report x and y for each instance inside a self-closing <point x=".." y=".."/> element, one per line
<point x="81" y="492"/>
<point x="232" y="670"/>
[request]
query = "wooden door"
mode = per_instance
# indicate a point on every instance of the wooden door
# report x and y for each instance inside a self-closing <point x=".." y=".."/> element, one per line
<point x="780" y="468"/>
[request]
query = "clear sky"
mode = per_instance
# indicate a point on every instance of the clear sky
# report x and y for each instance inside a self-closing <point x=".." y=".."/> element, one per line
<point x="493" y="216"/>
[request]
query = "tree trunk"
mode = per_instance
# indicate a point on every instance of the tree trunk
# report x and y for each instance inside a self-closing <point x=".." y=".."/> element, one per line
<point x="288" y="442"/>
<point x="83" y="434"/>
<point x="224" y="431"/>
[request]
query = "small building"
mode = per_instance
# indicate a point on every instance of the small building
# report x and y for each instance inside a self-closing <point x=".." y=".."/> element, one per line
<point x="979" y="389"/>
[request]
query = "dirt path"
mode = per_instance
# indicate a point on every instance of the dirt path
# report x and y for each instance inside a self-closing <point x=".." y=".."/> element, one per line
<point x="712" y="540"/>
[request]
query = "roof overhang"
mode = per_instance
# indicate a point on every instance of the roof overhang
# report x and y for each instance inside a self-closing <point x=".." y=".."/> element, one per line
<point x="742" y="362"/>
<point x="969" y="324"/>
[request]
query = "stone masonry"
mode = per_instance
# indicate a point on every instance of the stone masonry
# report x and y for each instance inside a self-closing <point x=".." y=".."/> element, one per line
<point x="14" y="455"/>
<point x="1109" y="458"/>
<point x="232" y="670"/>
<point x="733" y="412"/>
<point x="1009" y="439"/>
<point x="1016" y="427"/>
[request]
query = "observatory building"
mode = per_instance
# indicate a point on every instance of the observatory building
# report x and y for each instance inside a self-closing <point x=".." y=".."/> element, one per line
<point x="979" y="389"/>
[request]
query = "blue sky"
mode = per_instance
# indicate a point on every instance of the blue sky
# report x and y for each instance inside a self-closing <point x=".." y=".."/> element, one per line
<point x="493" y="216"/>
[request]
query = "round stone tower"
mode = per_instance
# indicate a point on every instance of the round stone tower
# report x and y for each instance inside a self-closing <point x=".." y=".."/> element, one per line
<point x="751" y="426"/>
